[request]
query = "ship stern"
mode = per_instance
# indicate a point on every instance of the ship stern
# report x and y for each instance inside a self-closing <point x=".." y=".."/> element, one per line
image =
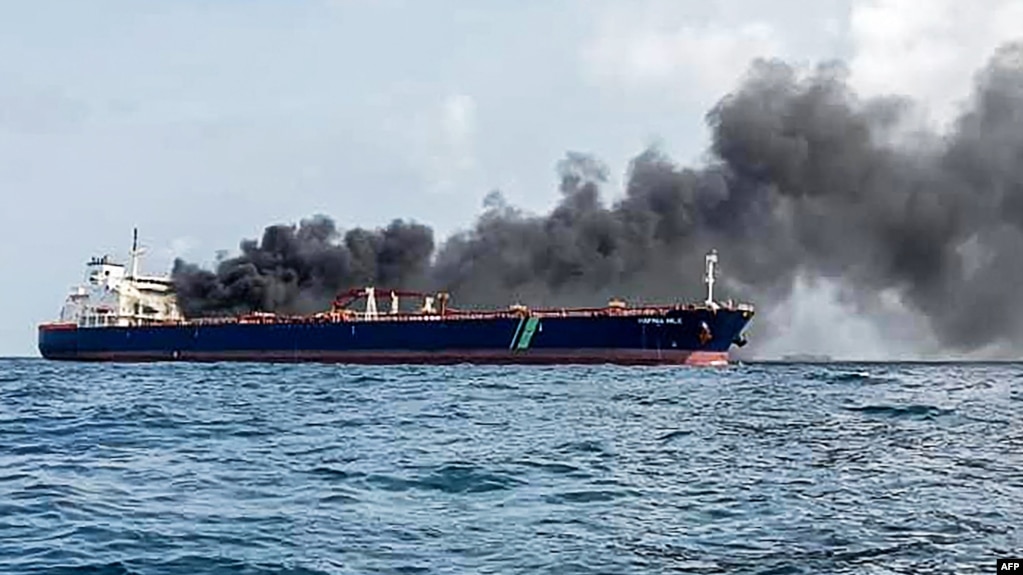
<point x="58" y="340"/>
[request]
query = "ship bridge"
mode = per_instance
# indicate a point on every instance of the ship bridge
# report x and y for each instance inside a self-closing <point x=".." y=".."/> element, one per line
<point x="113" y="295"/>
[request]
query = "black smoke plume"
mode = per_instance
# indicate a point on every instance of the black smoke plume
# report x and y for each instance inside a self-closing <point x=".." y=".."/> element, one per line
<point x="805" y="180"/>
<point x="300" y="269"/>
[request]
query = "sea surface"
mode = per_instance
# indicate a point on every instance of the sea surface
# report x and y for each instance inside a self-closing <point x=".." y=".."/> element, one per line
<point x="313" y="469"/>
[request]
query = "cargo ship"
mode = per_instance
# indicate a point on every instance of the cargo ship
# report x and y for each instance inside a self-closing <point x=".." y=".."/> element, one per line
<point x="116" y="314"/>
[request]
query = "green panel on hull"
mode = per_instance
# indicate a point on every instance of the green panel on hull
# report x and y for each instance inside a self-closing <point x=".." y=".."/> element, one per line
<point x="527" y="333"/>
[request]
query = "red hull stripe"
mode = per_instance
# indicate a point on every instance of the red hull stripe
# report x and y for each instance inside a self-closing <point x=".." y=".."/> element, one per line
<point x="540" y="357"/>
<point x="58" y="327"/>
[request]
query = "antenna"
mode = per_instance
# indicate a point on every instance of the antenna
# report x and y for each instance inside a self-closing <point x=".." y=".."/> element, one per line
<point x="712" y="262"/>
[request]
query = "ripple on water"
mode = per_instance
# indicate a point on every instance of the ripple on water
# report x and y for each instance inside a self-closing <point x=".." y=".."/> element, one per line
<point x="317" y="469"/>
<point x="911" y="411"/>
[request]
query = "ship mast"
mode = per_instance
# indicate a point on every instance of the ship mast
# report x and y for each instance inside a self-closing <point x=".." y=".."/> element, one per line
<point x="136" y="251"/>
<point x="711" y="274"/>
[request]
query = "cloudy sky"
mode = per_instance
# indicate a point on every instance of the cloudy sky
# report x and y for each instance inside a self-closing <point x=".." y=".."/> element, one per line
<point x="201" y="121"/>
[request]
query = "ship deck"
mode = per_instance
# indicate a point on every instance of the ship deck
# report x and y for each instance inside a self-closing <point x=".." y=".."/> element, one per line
<point x="352" y="317"/>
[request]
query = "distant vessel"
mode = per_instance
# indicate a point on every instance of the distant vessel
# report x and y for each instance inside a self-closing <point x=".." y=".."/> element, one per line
<point x="120" y="315"/>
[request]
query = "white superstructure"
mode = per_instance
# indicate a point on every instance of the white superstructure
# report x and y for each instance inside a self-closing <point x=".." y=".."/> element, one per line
<point x="110" y="295"/>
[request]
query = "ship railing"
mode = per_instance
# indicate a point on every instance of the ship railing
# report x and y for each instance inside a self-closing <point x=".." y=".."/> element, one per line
<point x="450" y="314"/>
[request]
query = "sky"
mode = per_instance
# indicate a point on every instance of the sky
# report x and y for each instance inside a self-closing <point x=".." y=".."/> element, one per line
<point x="202" y="121"/>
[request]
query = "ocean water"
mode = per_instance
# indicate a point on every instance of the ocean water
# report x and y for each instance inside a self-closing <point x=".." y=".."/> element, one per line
<point x="315" y="469"/>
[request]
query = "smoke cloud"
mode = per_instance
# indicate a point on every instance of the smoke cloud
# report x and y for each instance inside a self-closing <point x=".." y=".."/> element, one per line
<point x="806" y="180"/>
<point x="299" y="269"/>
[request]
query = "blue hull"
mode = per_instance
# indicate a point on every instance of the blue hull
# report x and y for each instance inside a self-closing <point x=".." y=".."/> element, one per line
<point x="677" y="336"/>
